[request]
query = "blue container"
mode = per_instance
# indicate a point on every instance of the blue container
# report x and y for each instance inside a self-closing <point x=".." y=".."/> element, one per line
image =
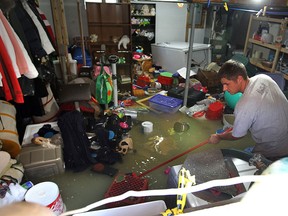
<point x="165" y="103"/>
<point x="77" y="55"/>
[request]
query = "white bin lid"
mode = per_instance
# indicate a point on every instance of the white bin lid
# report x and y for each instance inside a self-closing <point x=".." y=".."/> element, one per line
<point x="141" y="209"/>
<point x="181" y="45"/>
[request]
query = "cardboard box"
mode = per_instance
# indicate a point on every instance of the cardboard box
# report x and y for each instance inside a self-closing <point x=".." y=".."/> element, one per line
<point x="208" y="78"/>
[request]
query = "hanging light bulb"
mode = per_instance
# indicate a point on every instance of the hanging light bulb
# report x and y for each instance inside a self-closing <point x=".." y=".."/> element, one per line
<point x="180" y="5"/>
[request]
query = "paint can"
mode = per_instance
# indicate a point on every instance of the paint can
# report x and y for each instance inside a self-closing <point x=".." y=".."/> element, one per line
<point x="147" y="127"/>
<point x="46" y="194"/>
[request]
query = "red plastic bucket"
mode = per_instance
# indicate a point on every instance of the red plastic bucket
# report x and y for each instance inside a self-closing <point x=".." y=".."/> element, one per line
<point x="215" y="111"/>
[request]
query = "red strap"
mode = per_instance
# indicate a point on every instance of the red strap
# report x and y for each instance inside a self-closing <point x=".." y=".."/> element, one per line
<point x="198" y="114"/>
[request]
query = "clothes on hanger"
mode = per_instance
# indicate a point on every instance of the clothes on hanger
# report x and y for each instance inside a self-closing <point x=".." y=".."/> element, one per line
<point x="11" y="85"/>
<point x="15" y="59"/>
<point x="45" y="41"/>
<point x="43" y="20"/>
<point x="31" y="33"/>
<point x="23" y="60"/>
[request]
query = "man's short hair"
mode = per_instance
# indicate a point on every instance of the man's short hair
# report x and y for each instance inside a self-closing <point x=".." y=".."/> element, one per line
<point x="231" y="69"/>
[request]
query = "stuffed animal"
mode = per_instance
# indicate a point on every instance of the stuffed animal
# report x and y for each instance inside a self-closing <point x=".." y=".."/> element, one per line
<point x="93" y="38"/>
<point x="125" y="40"/>
<point x="144" y="22"/>
<point x="145" y="10"/>
<point x="153" y="11"/>
<point x="149" y="35"/>
<point x="125" y="145"/>
<point x="114" y="39"/>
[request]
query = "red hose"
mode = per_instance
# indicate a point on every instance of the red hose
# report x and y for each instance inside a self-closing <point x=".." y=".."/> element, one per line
<point x="174" y="158"/>
<point x="180" y="155"/>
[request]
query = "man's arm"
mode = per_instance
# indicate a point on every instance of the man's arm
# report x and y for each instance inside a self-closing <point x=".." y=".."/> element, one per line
<point x="216" y="138"/>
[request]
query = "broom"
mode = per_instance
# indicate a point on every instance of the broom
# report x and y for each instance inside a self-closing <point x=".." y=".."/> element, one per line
<point x="84" y="70"/>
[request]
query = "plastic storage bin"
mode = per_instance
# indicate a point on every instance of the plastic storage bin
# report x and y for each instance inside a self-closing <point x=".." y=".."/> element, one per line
<point x="165" y="103"/>
<point x="193" y="201"/>
<point x="33" y="129"/>
<point x="39" y="162"/>
<point x="142" y="209"/>
<point x="164" y="80"/>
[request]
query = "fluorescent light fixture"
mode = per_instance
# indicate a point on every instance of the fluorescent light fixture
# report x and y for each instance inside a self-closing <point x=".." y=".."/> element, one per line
<point x="135" y="1"/>
<point x="176" y="1"/>
<point x="97" y="1"/>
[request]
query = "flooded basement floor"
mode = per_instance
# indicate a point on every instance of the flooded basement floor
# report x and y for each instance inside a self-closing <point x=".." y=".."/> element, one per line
<point x="163" y="143"/>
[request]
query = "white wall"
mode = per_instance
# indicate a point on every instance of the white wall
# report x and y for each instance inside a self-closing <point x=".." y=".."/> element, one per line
<point x="71" y="14"/>
<point x="170" y="22"/>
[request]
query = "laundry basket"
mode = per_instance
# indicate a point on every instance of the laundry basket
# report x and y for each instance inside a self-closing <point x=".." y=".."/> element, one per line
<point x="123" y="183"/>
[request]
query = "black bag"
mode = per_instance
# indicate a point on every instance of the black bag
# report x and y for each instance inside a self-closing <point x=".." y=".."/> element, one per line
<point x="46" y="72"/>
<point x="193" y="95"/>
<point x="77" y="155"/>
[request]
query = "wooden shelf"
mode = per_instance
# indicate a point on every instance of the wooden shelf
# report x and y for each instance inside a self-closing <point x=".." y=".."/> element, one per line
<point x="267" y="45"/>
<point x="142" y="26"/>
<point x="284" y="50"/>
<point x="107" y="43"/>
<point x="258" y="63"/>
<point x="108" y="24"/>
<point x="262" y="46"/>
<point x="108" y="21"/>
<point x="132" y="15"/>
<point x="269" y="19"/>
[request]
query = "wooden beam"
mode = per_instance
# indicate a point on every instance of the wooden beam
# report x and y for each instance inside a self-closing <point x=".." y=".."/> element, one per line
<point x="59" y="19"/>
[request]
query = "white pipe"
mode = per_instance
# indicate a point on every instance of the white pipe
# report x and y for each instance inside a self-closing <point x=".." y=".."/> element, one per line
<point x="81" y="32"/>
<point x="189" y="58"/>
<point x="212" y="34"/>
<point x="115" y="87"/>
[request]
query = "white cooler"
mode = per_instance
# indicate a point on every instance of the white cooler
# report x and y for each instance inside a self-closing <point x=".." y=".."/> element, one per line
<point x="172" y="56"/>
<point x="242" y="167"/>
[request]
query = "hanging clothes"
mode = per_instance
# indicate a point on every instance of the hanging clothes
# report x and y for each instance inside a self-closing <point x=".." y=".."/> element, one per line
<point x="46" y="44"/>
<point x="15" y="23"/>
<point x="48" y="26"/>
<point x="23" y="61"/>
<point x="31" y="33"/>
<point x="25" y="93"/>
<point x="43" y="20"/>
<point x="9" y="49"/>
<point x="11" y="87"/>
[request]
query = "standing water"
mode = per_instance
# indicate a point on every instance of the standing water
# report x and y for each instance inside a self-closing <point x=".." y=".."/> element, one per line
<point x="150" y="149"/>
